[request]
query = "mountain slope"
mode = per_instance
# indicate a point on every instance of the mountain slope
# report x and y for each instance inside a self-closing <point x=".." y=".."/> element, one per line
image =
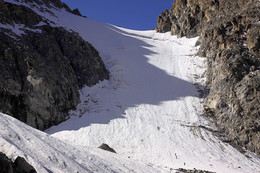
<point x="149" y="111"/>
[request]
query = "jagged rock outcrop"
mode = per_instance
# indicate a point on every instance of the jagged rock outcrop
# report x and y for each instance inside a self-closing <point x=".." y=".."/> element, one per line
<point x="76" y="11"/>
<point x="229" y="33"/>
<point x="43" y="68"/>
<point x="20" y="165"/>
<point x="163" y="22"/>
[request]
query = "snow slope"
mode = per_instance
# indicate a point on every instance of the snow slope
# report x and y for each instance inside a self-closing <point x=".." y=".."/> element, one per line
<point x="48" y="154"/>
<point x="149" y="111"/>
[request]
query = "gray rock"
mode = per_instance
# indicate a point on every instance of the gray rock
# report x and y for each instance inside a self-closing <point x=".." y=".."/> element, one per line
<point x="22" y="15"/>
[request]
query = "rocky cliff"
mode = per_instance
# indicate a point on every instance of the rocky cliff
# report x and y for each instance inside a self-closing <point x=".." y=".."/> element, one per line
<point x="229" y="32"/>
<point x="42" y="67"/>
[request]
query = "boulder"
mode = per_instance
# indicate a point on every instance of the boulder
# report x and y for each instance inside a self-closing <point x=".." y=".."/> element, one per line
<point x="107" y="148"/>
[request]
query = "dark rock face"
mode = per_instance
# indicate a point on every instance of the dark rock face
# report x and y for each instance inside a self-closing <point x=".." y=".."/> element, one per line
<point x="107" y="148"/>
<point x="229" y="33"/>
<point x="20" y="165"/>
<point x="49" y="3"/>
<point x="43" y="69"/>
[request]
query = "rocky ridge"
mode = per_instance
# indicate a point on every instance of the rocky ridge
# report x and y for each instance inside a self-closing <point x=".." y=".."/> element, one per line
<point x="229" y="32"/>
<point x="42" y="67"/>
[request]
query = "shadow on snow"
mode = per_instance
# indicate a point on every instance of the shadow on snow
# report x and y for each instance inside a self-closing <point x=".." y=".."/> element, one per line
<point x="144" y="83"/>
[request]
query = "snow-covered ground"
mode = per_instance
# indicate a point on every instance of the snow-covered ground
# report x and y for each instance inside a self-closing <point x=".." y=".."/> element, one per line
<point x="50" y="155"/>
<point x="149" y="111"/>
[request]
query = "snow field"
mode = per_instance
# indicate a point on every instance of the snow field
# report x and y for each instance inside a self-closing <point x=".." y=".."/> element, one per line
<point x="48" y="154"/>
<point x="149" y="110"/>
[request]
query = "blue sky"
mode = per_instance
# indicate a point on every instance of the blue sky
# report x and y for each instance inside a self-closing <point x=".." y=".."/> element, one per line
<point x="132" y="14"/>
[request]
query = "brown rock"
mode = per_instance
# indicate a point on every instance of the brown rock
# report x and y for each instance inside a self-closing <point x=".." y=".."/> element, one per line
<point x="253" y="39"/>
